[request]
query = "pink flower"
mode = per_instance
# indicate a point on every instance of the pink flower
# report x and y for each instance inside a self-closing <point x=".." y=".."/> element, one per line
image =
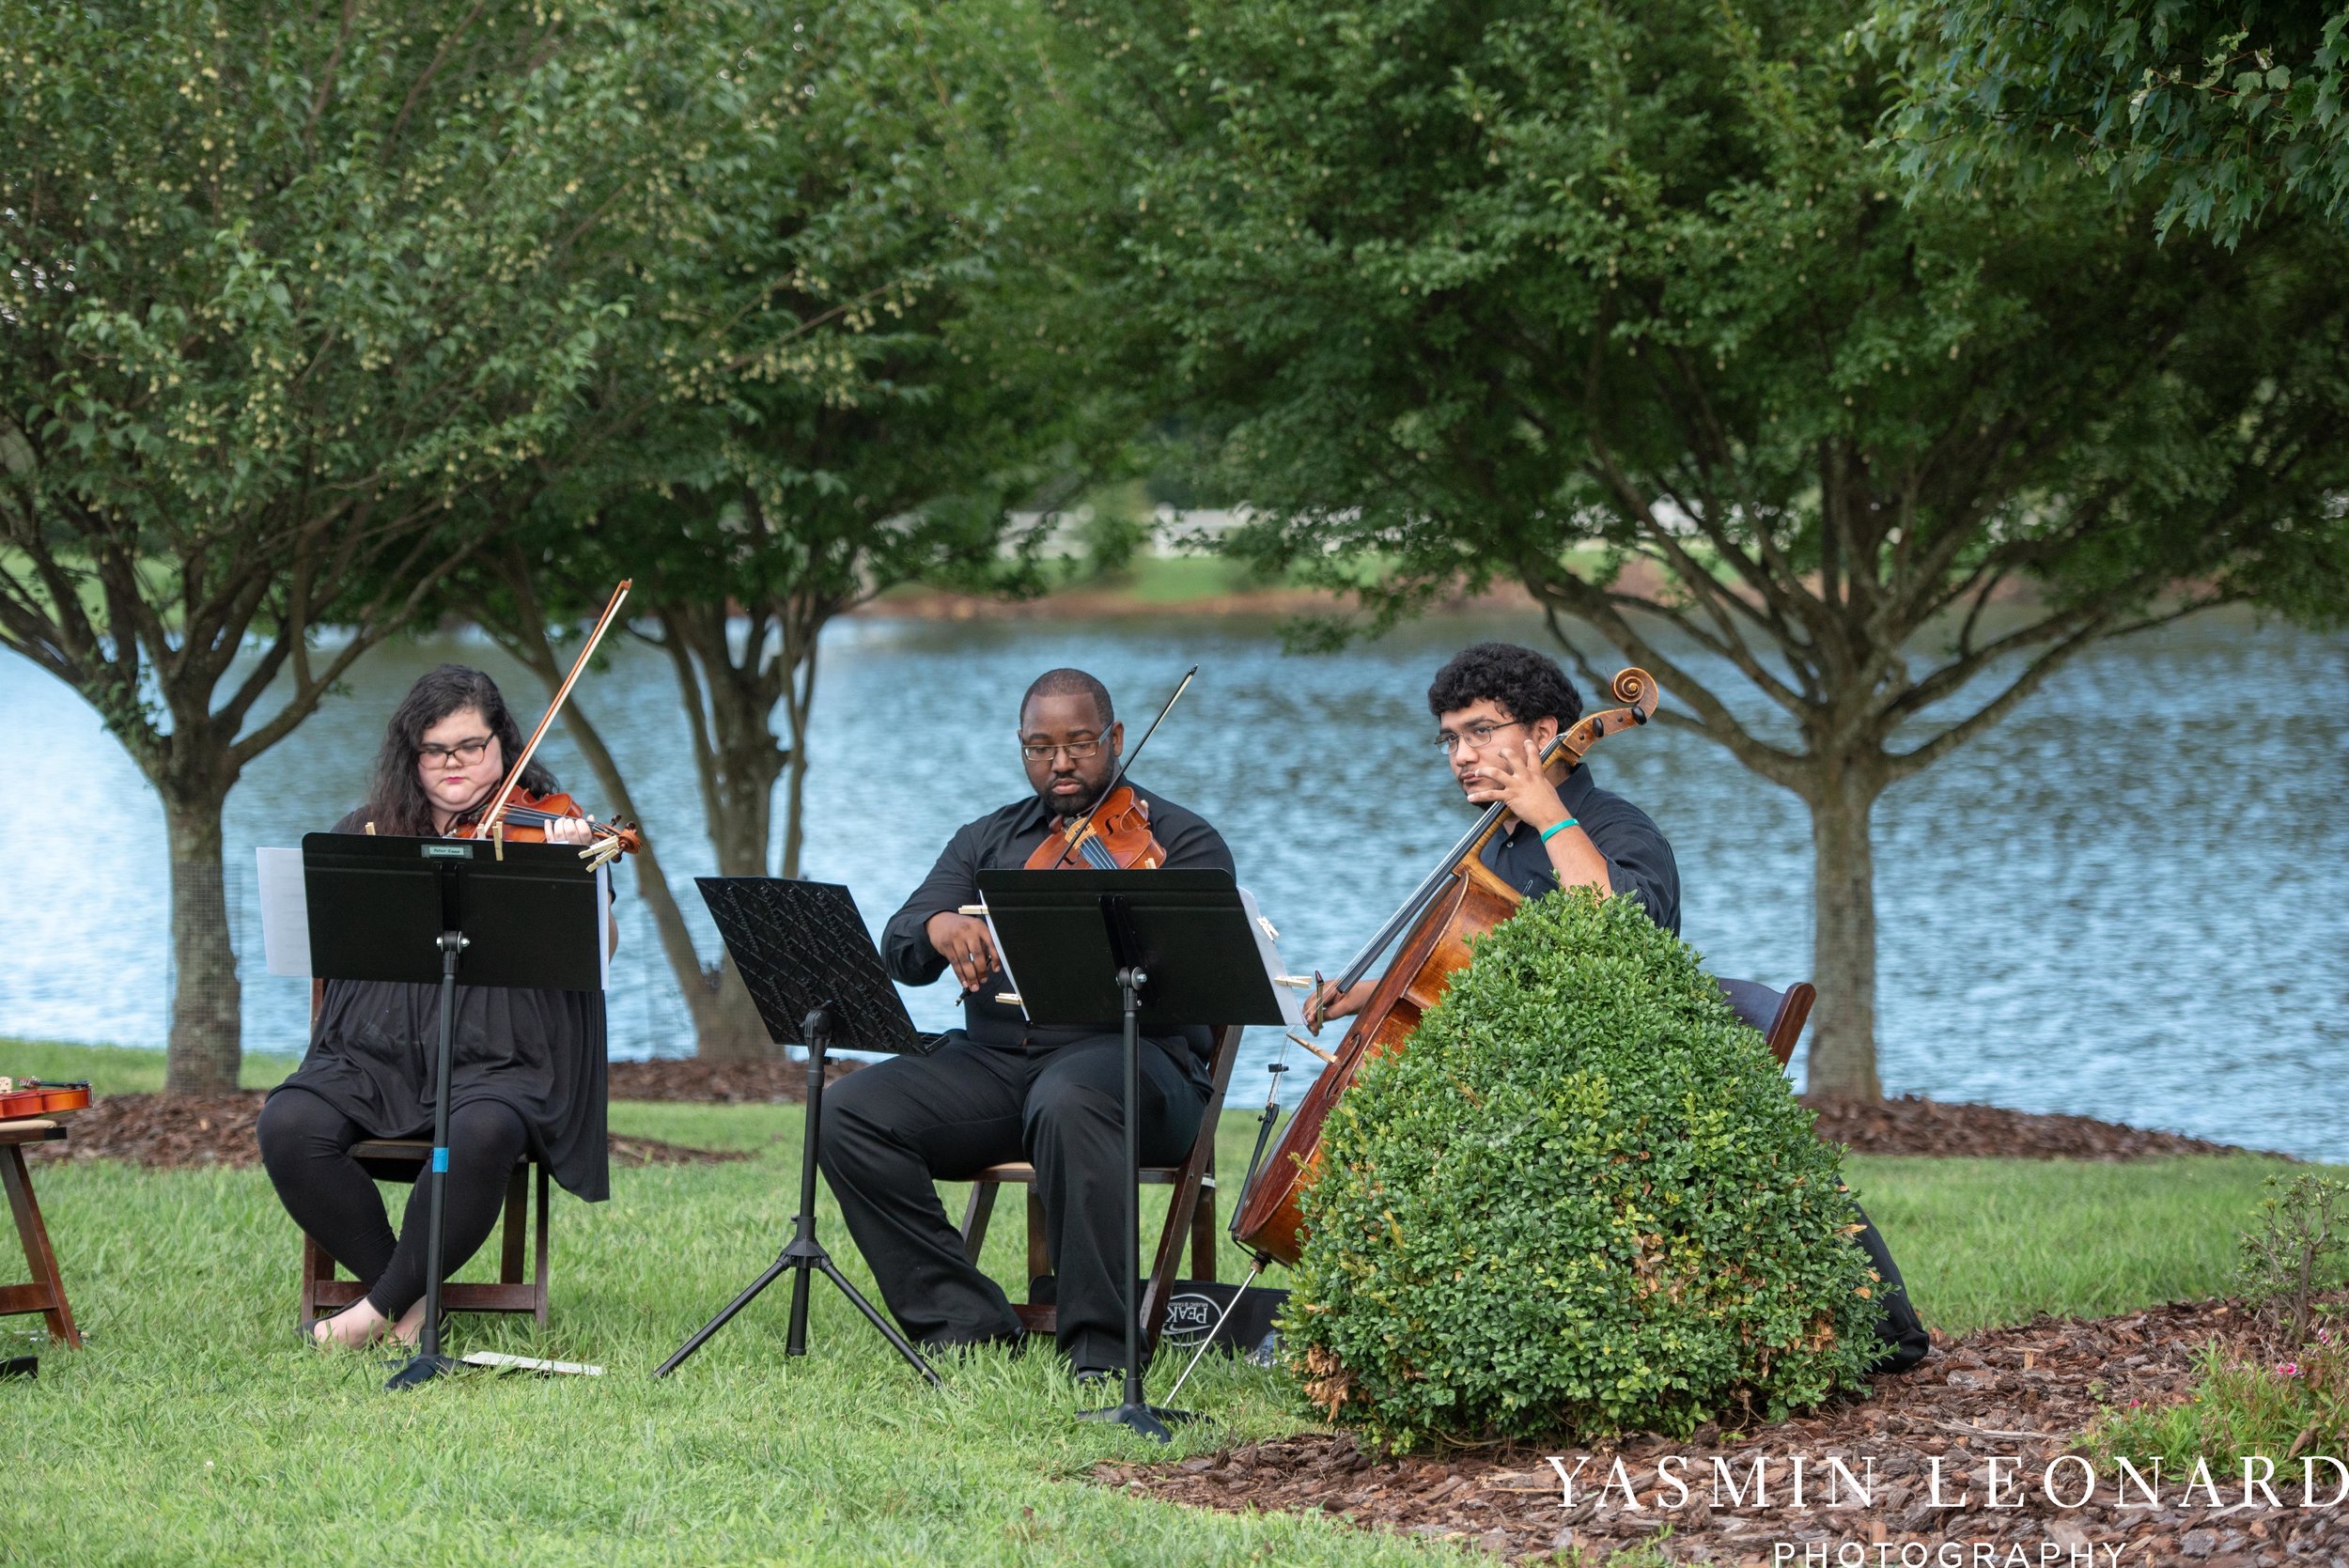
<point x="2287" y="1369"/>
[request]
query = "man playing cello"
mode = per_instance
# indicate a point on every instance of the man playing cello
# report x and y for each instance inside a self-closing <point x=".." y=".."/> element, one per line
<point x="1496" y="706"/>
<point x="999" y="1089"/>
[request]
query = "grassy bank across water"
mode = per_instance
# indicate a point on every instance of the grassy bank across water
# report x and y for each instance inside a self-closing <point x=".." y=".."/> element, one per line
<point x="195" y="1429"/>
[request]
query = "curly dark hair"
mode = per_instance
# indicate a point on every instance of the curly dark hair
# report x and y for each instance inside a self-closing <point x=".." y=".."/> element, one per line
<point x="396" y="802"/>
<point x="1526" y="684"/>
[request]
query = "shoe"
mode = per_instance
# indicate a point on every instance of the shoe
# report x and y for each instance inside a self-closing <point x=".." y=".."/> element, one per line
<point x="1265" y="1353"/>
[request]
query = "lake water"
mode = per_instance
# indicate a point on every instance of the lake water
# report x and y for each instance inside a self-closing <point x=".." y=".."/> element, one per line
<point x="2127" y="901"/>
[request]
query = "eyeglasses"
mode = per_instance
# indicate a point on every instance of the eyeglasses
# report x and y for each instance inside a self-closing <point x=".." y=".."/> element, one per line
<point x="464" y="750"/>
<point x="1078" y="750"/>
<point x="1478" y="735"/>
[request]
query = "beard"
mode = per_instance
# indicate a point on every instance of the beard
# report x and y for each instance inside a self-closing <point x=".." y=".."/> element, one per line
<point x="1068" y="807"/>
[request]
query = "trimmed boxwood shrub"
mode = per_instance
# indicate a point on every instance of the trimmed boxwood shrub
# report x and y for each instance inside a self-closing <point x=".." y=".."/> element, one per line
<point x="1584" y="1200"/>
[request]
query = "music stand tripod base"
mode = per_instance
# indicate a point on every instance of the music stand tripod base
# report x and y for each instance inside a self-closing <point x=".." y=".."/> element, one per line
<point x="817" y="980"/>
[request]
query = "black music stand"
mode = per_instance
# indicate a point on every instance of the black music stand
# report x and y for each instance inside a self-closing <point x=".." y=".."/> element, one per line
<point x="1167" y="949"/>
<point x="810" y="966"/>
<point x="425" y="910"/>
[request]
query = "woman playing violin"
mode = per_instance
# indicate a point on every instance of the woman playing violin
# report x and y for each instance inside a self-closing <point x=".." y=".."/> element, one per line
<point x="529" y="1064"/>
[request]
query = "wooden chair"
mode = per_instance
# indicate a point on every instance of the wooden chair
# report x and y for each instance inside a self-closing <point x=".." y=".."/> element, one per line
<point x="1191" y="1211"/>
<point x="45" y="1295"/>
<point x="403" y="1160"/>
<point x="1780" y="1018"/>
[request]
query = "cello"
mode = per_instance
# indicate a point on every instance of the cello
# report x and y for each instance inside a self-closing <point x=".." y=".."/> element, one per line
<point x="1458" y="900"/>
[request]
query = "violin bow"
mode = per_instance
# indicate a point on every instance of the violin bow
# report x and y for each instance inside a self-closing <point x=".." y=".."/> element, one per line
<point x="1076" y="833"/>
<point x="491" y="822"/>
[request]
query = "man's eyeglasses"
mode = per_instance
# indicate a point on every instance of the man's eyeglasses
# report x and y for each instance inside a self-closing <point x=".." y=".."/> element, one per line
<point x="464" y="750"/>
<point x="1478" y="735"/>
<point x="1078" y="750"/>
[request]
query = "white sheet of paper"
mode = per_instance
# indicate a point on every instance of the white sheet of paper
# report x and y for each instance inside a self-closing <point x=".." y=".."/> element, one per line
<point x="285" y="913"/>
<point x="1292" y="999"/>
<point x="604" y="930"/>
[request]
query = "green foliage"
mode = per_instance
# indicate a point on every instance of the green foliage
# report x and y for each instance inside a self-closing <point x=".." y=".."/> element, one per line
<point x="2296" y="1248"/>
<point x="2227" y="110"/>
<point x="1622" y="302"/>
<point x="292" y="294"/>
<point x="1584" y="1200"/>
<point x="2240" y="1406"/>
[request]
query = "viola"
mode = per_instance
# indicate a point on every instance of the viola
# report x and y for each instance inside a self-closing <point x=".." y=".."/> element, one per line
<point x="1456" y="902"/>
<point x="1113" y="836"/>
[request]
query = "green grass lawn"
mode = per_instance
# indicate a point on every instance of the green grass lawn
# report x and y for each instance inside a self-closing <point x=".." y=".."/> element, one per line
<point x="194" y="1429"/>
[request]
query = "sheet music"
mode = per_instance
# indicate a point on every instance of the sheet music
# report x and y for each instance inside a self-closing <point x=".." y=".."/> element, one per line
<point x="603" y="928"/>
<point x="285" y="916"/>
<point x="285" y="913"/>
<point x="1292" y="999"/>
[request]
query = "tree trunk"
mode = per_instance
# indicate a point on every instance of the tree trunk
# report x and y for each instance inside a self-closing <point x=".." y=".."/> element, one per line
<point x="1842" y="1061"/>
<point x="206" y="1043"/>
<point x="724" y="1017"/>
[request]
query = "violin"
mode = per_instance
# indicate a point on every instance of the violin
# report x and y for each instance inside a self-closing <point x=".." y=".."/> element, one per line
<point x="1459" y="900"/>
<point x="518" y="816"/>
<point x="526" y="815"/>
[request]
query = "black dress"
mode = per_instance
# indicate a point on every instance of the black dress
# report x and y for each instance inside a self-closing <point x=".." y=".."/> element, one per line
<point x="541" y="1053"/>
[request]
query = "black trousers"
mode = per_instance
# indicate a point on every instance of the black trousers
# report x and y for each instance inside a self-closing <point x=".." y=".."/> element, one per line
<point x="890" y="1131"/>
<point x="305" y="1145"/>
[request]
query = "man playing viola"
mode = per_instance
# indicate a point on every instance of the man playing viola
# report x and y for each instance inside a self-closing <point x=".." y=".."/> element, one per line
<point x="998" y="1089"/>
<point x="1497" y="707"/>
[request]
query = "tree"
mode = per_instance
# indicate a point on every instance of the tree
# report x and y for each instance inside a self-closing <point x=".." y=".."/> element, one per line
<point x="289" y="289"/>
<point x="1619" y="303"/>
<point x="2225" y="110"/>
<point x="852" y="365"/>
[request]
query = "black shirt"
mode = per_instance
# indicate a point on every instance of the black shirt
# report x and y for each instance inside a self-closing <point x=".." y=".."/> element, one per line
<point x="1638" y="858"/>
<point x="1005" y="839"/>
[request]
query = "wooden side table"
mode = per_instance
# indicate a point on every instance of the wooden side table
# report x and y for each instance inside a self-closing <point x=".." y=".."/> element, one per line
<point x="46" y="1293"/>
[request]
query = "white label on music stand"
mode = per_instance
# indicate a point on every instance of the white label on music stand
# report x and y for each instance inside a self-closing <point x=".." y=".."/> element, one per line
<point x="285" y="913"/>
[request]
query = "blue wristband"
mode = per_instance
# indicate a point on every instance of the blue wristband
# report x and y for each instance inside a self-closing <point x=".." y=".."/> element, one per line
<point x="1556" y="828"/>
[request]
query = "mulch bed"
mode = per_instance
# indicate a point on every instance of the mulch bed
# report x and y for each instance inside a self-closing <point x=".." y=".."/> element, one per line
<point x="1912" y="1125"/>
<point x="2021" y="1394"/>
<point x="218" y="1130"/>
<point x="170" y="1133"/>
<point x="690" y="1079"/>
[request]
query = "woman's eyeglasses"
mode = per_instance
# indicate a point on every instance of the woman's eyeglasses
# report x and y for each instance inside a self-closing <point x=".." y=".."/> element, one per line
<point x="464" y="750"/>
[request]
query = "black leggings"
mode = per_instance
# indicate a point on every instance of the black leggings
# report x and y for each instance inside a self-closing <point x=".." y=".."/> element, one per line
<point x="306" y="1144"/>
